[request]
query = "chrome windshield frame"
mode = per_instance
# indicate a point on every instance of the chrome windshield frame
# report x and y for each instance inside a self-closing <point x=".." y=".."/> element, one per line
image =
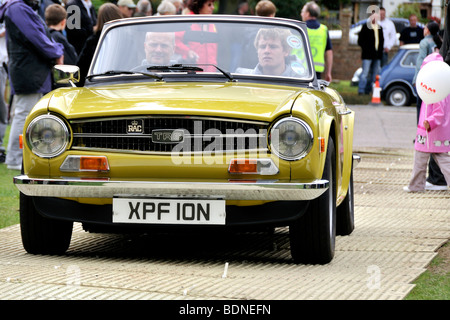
<point x="251" y="20"/>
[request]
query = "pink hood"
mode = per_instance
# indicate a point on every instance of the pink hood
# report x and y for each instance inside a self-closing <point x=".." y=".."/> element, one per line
<point x="437" y="140"/>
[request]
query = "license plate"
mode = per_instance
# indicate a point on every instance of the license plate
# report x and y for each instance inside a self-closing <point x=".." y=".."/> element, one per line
<point x="168" y="211"/>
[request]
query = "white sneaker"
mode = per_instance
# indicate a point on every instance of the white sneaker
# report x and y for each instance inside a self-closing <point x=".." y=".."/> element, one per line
<point x="434" y="187"/>
<point x="406" y="188"/>
<point x="14" y="167"/>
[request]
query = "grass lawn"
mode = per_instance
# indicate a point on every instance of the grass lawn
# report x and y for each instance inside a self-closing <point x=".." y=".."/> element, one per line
<point x="9" y="197"/>
<point x="9" y="194"/>
<point x="434" y="284"/>
<point x="350" y="93"/>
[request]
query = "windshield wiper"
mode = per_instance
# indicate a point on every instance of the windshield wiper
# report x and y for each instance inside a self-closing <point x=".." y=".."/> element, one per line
<point x="119" y="72"/>
<point x="188" y="68"/>
<point x="225" y="73"/>
<point x="175" y="67"/>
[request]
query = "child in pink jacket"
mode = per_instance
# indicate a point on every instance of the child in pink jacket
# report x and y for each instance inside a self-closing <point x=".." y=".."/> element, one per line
<point x="432" y="139"/>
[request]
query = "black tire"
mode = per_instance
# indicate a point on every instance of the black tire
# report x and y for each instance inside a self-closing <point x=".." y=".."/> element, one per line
<point x="41" y="235"/>
<point x="313" y="235"/>
<point x="398" y="96"/>
<point x="345" y="213"/>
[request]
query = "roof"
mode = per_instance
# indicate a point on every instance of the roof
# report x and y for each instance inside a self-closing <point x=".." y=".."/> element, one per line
<point x="410" y="46"/>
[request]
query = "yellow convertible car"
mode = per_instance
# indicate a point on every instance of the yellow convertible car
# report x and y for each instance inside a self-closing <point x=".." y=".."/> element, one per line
<point x="191" y="122"/>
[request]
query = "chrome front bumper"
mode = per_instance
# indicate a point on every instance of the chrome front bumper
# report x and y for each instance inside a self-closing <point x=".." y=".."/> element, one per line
<point x="271" y="190"/>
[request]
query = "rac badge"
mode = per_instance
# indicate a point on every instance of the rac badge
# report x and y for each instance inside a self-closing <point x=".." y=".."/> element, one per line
<point x="167" y="136"/>
<point x="135" y="126"/>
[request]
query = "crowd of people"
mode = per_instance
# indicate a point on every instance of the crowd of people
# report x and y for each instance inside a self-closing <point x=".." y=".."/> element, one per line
<point x="44" y="33"/>
<point x="59" y="39"/>
<point x="376" y="39"/>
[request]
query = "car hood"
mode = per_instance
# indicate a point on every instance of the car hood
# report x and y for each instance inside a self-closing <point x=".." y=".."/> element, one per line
<point x="248" y="101"/>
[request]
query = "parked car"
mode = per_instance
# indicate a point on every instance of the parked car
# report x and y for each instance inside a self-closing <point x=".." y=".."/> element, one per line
<point x="175" y="144"/>
<point x="396" y="78"/>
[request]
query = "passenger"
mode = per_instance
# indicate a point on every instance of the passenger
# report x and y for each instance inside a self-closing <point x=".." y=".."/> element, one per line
<point x="432" y="139"/>
<point x="243" y="49"/>
<point x="196" y="52"/>
<point x="107" y="12"/>
<point x="56" y="17"/>
<point x="159" y="48"/>
<point x="273" y="51"/>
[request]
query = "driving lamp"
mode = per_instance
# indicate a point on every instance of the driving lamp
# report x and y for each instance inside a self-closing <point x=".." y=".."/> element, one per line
<point x="291" y="138"/>
<point x="47" y="136"/>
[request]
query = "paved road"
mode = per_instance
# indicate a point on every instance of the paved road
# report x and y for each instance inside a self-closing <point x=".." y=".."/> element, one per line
<point x="384" y="127"/>
<point x="396" y="236"/>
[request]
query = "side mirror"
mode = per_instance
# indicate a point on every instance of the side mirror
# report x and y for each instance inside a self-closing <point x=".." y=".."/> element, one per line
<point x="64" y="74"/>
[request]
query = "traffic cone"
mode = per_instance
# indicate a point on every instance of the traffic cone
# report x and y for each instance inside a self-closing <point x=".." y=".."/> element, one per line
<point x="376" y="95"/>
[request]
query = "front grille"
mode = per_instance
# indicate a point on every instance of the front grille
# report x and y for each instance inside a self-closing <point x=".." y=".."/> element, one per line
<point x="161" y="134"/>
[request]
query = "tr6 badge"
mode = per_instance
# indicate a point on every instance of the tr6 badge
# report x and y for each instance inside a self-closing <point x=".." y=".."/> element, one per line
<point x="167" y="136"/>
<point x="135" y="126"/>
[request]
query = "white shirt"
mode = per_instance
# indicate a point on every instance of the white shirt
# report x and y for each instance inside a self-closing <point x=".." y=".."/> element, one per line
<point x="3" y="52"/>
<point x="389" y="32"/>
<point x="87" y="4"/>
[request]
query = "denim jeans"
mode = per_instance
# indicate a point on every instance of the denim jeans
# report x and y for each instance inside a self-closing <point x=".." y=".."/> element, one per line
<point x="370" y="69"/>
<point x="3" y="106"/>
<point x="22" y="105"/>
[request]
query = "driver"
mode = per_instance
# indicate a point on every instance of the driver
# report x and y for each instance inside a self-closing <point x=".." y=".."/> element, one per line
<point x="159" y="48"/>
<point x="273" y="52"/>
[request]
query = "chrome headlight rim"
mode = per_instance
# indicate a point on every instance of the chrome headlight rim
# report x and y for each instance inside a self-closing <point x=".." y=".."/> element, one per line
<point x="309" y="141"/>
<point x="65" y="135"/>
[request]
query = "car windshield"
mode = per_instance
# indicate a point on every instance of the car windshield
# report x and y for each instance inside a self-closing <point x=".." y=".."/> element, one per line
<point x="227" y="48"/>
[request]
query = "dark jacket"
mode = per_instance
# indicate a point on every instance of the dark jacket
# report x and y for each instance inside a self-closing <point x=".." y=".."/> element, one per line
<point x="70" y="54"/>
<point x="86" y="55"/>
<point x="31" y="51"/>
<point x="366" y="40"/>
<point x="445" y="48"/>
<point x="78" y="30"/>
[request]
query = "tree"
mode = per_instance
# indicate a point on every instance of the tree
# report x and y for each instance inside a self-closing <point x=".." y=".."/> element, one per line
<point x="404" y="10"/>
<point x="286" y="9"/>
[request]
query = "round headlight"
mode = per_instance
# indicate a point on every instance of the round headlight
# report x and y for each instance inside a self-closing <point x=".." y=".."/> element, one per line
<point x="47" y="136"/>
<point x="291" y="139"/>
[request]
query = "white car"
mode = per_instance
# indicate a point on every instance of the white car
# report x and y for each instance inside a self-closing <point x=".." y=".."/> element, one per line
<point x="400" y="24"/>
